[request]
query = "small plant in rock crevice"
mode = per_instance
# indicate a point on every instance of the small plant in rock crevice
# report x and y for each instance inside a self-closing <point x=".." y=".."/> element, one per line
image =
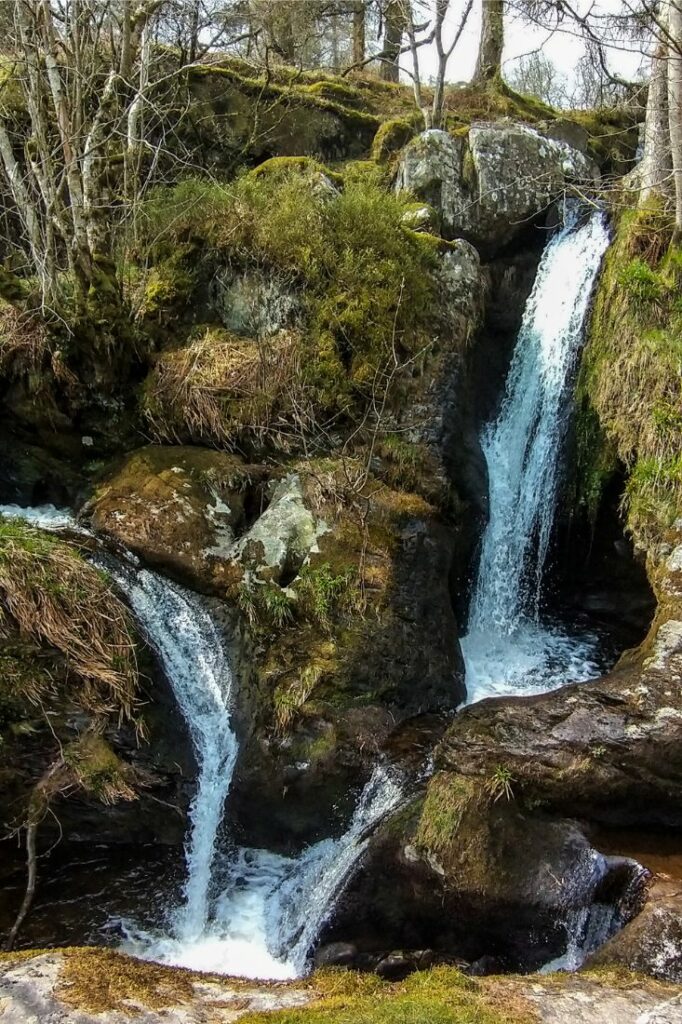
<point x="501" y="784"/>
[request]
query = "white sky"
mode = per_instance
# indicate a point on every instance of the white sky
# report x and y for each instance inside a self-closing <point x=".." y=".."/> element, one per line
<point x="563" y="48"/>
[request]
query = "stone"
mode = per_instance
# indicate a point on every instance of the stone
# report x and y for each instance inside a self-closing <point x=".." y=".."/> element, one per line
<point x="488" y="186"/>
<point x="395" y="967"/>
<point x="336" y="954"/>
<point x="281" y="539"/>
<point x="652" y="942"/>
<point x="251" y="303"/>
<point x="178" y="508"/>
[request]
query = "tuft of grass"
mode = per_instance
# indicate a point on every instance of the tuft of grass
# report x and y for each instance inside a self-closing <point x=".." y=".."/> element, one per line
<point x="447" y="798"/>
<point x="500" y="784"/>
<point x="323" y="595"/>
<point x="53" y="598"/>
<point x="267" y="606"/>
<point x="289" y="697"/>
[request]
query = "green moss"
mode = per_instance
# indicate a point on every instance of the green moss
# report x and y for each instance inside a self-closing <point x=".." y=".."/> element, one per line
<point x="440" y="996"/>
<point x="446" y="801"/>
<point x="366" y="285"/>
<point x="391" y="137"/>
<point x="98" y="770"/>
<point x="283" y="165"/>
<point x="630" y="383"/>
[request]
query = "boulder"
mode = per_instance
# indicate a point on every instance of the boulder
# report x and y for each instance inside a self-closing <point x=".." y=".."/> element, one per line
<point x="479" y="875"/>
<point x="652" y="942"/>
<point x="282" y="538"/>
<point x="251" y="303"/>
<point x="178" y="508"/>
<point x="488" y="185"/>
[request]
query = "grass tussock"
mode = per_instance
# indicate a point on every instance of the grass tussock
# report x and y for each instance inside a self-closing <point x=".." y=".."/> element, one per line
<point x="440" y="996"/>
<point x="229" y="391"/>
<point x="52" y="598"/>
<point x="631" y="375"/>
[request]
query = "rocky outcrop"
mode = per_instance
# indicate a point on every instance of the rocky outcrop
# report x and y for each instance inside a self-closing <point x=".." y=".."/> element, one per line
<point x="488" y="184"/>
<point x="90" y="986"/>
<point x="652" y="942"/>
<point x="251" y="303"/>
<point x="482" y="878"/>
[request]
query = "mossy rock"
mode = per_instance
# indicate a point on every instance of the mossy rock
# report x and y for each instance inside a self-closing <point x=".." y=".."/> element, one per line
<point x="391" y="137"/>
<point x="178" y="508"/>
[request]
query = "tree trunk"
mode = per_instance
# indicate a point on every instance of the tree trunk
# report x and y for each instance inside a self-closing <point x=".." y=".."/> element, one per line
<point x="394" y="23"/>
<point x="654" y="171"/>
<point x="489" y="63"/>
<point x="675" y="106"/>
<point x="358" y="32"/>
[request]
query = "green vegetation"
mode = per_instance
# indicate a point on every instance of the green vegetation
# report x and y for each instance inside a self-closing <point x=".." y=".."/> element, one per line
<point x="440" y="996"/>
<point x="447" y="798"/>
<point x="630" y="386"/>
<point x="324" y="595"/>
<point x="365" y="288"/>
<point x="57" y="610"/>
<point x="501" y="783"/>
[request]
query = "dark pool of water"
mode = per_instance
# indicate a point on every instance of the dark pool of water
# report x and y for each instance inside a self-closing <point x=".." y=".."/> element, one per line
<point x="83" y="890"/>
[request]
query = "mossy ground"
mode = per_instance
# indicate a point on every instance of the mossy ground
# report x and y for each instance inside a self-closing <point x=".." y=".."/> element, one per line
<point x="630" y="385"/>
<point x="440" y="996"/>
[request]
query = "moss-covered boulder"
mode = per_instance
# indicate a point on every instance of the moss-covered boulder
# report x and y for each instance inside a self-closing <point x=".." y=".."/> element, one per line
<point x="178" y="508"/>
<point x="488" y="184"/>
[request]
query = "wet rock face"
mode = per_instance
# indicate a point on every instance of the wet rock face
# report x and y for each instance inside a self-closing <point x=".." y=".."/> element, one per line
<point x="481" y="878"/>
<point x="488" y="185"/>
<point x="652" y="942"/>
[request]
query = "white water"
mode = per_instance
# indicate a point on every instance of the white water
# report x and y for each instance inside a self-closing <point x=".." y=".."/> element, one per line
<point x="183" y="634"/>
<point x="507" y="649"/>
<point x="252" y="913"/>
<point x="267" y="919"/>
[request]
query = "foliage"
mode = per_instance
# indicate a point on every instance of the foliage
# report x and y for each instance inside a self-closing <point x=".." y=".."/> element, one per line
<point x="446" y="801"/>
<point x="631" y="374"/>
<point x="97" y="769"/>
<point x="290" y="696"/>
<point x="365" y="287"/>
<point x="501" y="783"/>
<point x="323" y="595"/>
<point x="266" y="605"/>
<point x="440" y="996"/>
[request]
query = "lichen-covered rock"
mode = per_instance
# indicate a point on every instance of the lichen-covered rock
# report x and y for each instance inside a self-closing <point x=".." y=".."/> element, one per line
<point x="281" y="538"/>
<point x="652" y="942"/>
<point x="488" y="185"/>
<point x="251" y="303"/>
<point x="179" y="508"/>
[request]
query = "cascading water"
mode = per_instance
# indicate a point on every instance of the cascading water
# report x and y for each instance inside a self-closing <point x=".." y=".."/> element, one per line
<point x="507" y="650"/>
<point x="249" y="912"/>
<point x="272" y="908"/>
<point x="184" y="635"/>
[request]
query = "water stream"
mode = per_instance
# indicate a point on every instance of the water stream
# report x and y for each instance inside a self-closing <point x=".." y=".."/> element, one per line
<point x="243" y="911"/>
<point x="508" y="648"/>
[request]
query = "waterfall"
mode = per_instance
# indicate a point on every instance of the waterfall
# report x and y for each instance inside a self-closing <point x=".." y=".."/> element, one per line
<point x="245" y="912"/>
<point x="183" y="634"/>
<point x="507" y="650"/>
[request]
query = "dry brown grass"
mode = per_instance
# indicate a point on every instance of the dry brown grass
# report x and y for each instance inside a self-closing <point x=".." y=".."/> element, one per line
<point x="24" y="341"/>
<point x="54" y="598"/>
<point x="221" y="389"/>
